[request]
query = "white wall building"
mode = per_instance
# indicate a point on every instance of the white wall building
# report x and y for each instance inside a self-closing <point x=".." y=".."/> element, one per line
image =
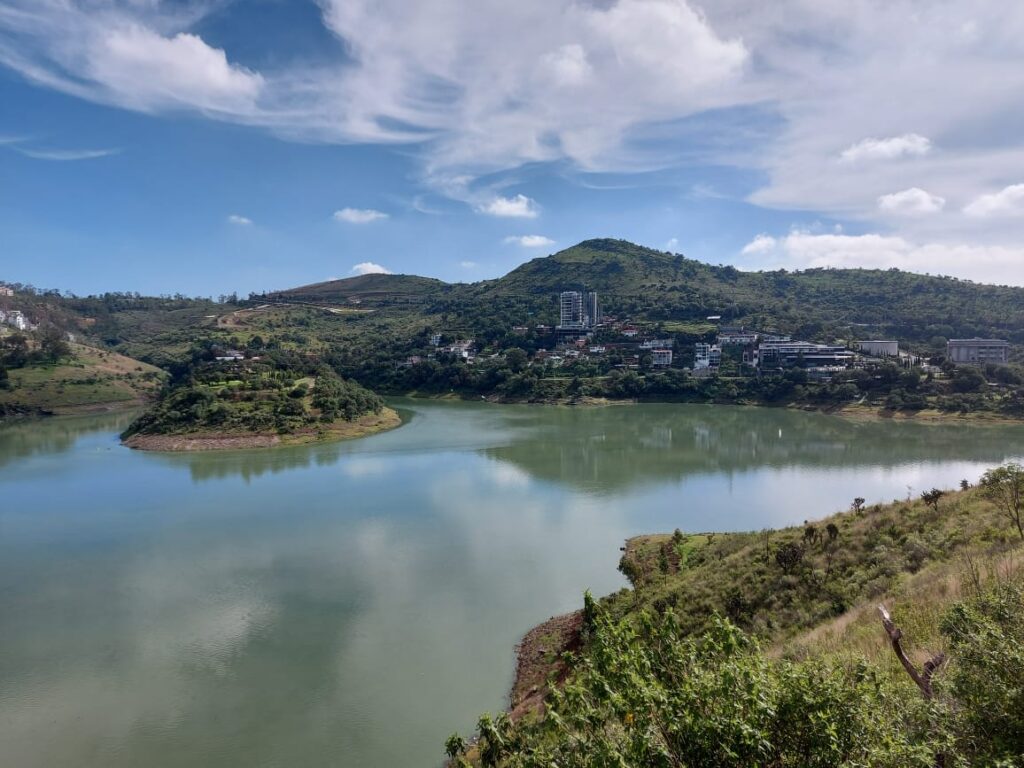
<point x="706" y="356"/>
<point x="979" y="351"/>
<point x="879" y="348"/>
<point x="662" y="357"/>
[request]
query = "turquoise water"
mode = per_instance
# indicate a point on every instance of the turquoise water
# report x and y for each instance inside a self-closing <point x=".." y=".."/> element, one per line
<point x="352" y="604"/>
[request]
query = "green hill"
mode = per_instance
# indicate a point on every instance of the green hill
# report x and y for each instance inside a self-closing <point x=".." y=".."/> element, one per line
<point x="374" y="290"/>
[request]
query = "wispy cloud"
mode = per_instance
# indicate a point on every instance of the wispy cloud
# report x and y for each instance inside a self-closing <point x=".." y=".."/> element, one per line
<point x="66" y="155"/>
<point x="359" y="215"/>
<point x="370" y="268"/>
<point x="530" y="241"/>
<point x="241" y="221"/>
<point x="468" y="264"/>
<point x="518" y="207"/>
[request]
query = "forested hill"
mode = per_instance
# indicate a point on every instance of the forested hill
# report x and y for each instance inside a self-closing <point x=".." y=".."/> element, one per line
<point x="654" y="285"/>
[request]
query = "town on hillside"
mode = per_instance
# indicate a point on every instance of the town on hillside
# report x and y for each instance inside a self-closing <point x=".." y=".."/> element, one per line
<point x="585" y="335"/>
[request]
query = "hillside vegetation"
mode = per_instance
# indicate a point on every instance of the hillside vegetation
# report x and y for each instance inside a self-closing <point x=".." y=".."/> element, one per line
<point x="282" y="397"/>
<point x="37" y="378"/>
<point x="766" y="649"/>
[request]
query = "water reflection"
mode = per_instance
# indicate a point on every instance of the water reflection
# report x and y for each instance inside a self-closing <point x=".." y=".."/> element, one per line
<point x="351" y="604"/>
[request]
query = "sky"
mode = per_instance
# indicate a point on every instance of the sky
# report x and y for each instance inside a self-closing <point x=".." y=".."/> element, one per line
<point x="211" y="146"/>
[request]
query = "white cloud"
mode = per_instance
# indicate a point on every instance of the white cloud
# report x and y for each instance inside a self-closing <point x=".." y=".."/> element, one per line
<point x="911" y="202"/>
<point x="467" y="264"/>
<point x="149" y="71"/>
<point x="520" y="207"/>
<point x="672" y="244"/>
<point x="240" y="221"/>
<point x="801" y="250"/>
<point x="760" y="244"/>
<point x="370" y="268"/>
<point x="67" y="155"/>
<point x="359" y="215"/>
<point x="1009" y="201"/>
<point x="907" y="145"/>
<point x="530" y="241"/>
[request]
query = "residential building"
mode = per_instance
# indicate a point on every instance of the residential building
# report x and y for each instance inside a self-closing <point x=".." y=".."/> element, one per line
<point x="15" y="318"/>
<point x="706" y="356"/>
<point x="435" y="340"/>
<point x="879" y="348"/>
<point x="578" y="310"/>
<point x="978" y="351"/>
<point x="6" y="290"/>
<point x="657" y="344"/>
<point x="630" y="333"/>
<point x="662" y="357"/>
<point x="592" y="310"/>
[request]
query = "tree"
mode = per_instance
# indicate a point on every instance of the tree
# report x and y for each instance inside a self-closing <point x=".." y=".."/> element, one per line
<point x="858" y="504"/>
<point x="1004" y="487"/>
<point x="789" y="556"/>
<point x="931" y="498"/>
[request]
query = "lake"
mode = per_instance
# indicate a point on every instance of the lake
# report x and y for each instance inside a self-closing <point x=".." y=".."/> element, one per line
<point x="352" y="604"/>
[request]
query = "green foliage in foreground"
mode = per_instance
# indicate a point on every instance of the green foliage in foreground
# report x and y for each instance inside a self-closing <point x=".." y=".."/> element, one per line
<point x="645" y="694"/>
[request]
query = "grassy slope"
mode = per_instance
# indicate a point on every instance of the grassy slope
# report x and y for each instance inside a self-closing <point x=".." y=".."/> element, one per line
<point x="91" y="378"/>
<point x="877" y="550"/>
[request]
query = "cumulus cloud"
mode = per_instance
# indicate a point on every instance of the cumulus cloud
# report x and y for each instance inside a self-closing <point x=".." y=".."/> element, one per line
<point x="518" y="207"/>
<point x="907" y="145"/>
<point x="1009" y="201"/>
<point x="672" y="244"/>
<point x="370" y="268"/>
<point x="240" y="221"/>
<point x="911" y="202"/>
<point x="801" y="250"/>
<point x="530" y="241"/>
<point x="359" y="215"/>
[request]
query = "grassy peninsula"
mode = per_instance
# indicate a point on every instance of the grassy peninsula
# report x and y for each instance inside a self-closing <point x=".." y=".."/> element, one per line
<point x="231" y="401"/>
<point x="768" y="648"/>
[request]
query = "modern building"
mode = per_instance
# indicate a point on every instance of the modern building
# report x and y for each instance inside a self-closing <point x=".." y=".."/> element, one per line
<point x="16" y="318"/>
<point x="578" y="310"/>
<point x="706" y="356"/>
<point x="978" y="351"/>
<point x="737" y="337"/>
<point x="662" y="357"/>
<point x="803" y="353"/>
<point x="879" y="348"/>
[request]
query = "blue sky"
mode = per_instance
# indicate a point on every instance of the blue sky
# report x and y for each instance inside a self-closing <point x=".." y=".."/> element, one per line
<point x="209" y="146"/>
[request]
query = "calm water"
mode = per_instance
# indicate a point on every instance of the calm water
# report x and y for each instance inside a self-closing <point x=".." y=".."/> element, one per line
<point x="352" y="604"/>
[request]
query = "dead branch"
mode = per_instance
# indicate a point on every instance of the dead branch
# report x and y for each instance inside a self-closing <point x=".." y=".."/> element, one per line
<point x="922" y="679"/>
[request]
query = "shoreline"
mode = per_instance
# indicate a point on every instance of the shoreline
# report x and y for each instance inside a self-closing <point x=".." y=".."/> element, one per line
<point x="850" y="412"/>
<point x="364" y="426"/>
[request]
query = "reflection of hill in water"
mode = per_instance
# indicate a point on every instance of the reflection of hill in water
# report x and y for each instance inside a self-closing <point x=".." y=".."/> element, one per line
<point x="611" y="448"/>
<point x="23" y="439"/>
<point x="605" y="449"/>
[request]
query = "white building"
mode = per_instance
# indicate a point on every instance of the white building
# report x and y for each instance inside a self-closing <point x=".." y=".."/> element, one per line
<point x="15" y="318"/>
<point x="979" y="351"/>
<point x="879" y="348"/>
<point x="706" y="356"/>
<point x="657" y="344"/>
<point x="6" y="290"/>
<point x="740" y="338"/>
<point x="662" y="357"/>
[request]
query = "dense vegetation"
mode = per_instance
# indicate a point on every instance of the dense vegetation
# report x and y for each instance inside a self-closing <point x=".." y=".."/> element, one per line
<point x="271" y="394"/>
<point x="765" y="649"/>
<point x="376" y="330"/>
